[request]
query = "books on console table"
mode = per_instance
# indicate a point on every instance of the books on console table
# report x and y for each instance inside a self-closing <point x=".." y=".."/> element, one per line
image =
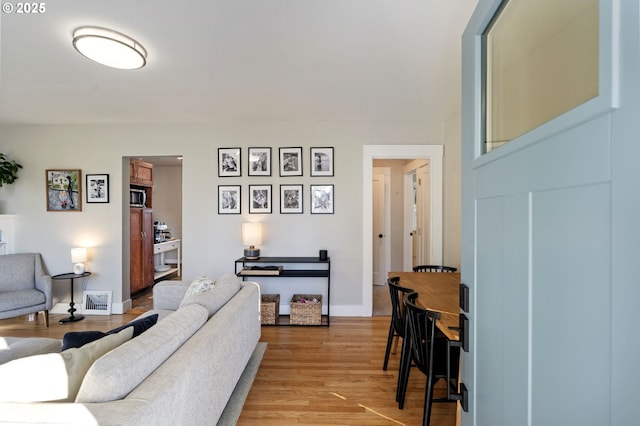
<point x="261" y="270"/>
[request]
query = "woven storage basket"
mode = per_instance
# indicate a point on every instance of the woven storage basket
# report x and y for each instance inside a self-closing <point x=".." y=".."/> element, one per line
<point x="306" y="313"/>
<point x="269" y="308"/>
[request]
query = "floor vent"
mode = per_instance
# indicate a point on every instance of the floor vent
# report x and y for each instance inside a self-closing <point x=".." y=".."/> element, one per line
<point x="96" y="302"/>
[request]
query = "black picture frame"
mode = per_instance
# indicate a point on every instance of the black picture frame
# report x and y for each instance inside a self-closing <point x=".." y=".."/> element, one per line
<point x="322" y="199"/>
<point x="259" y="161"/>
<point x="97" y="188"/>
<point x="291" y="199"/>
<point x="229" y="162"/>
<point x="229" y="199"/>
<point x="321" y="161"/>
<point x="291" y="161"/>
<point x="260" y="199"/>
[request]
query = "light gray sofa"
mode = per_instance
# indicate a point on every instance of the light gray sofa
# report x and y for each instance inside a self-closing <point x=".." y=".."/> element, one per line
<point x="25" y="286"/>
<point x="181" y="371"/>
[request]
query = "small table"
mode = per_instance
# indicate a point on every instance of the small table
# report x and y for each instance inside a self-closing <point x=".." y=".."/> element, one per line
<point x="71" y="276"/>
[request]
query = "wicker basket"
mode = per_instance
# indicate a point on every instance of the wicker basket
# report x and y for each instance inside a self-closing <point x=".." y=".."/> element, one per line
<point x="308" y="313"/>
<point x="269" y="308"/>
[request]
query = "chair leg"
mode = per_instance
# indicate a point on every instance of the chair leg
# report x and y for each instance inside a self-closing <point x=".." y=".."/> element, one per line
<point x="395" y="344"/>
<point x="403" y="374"/>
<point x="428" y="400"/>
<point x="46" y="318"/>
<point x="386" y="353"/>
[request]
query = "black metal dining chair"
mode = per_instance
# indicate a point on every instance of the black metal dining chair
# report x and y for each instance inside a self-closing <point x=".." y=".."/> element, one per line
<point x="425" y="348"/>
<point x="396" y="328"/>
<point x="434" y="268"/>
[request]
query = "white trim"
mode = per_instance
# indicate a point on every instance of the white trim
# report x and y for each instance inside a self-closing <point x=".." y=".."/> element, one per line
<point x="434" y="154"/>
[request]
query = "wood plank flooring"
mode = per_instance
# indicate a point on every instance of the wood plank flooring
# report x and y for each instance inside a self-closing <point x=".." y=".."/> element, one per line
<point x="308" y="376"/>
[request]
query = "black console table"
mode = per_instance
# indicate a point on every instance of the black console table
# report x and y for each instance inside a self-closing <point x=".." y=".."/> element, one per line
<point x="71" y="276"/>
<point x="311" y="267"/>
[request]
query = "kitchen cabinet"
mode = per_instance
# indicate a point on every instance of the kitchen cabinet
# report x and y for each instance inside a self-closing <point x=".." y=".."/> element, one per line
<point x="159" y="250"/>
<point x="140" y="173"/>
<point x="141" y="249"/>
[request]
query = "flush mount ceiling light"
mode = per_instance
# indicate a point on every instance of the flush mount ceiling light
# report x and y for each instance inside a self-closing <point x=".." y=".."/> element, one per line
<point x="109" y="48"/>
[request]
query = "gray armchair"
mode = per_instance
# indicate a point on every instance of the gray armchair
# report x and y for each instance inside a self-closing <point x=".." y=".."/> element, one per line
<point x="25" y="286"/>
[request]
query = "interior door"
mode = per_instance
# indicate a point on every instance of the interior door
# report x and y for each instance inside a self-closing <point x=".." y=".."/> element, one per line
<point x="421" y="235"/>
<point x="539" y="237"/>
<point x="379" y="234"/>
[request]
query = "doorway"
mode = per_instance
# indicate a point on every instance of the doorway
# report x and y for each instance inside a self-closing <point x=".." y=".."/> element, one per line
<point x="432" y="153"/>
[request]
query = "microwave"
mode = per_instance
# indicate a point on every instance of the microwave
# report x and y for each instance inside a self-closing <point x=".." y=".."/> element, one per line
<point x="137" y="197"/>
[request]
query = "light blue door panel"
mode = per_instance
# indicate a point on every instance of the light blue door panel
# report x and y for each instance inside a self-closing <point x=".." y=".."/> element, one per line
<point x="571" y="306"/>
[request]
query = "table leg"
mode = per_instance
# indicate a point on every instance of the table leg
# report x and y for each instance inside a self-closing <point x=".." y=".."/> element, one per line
<point x="72" y="317"/>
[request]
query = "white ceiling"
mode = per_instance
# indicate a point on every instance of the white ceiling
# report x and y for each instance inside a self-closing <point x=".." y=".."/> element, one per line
<point x="391" y="60"/>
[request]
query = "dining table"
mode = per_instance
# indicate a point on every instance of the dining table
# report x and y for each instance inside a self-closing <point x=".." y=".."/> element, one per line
<point x="437" y="291"/>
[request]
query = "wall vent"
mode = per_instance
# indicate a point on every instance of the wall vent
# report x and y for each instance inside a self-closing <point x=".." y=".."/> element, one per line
<point x="96" y="302"/>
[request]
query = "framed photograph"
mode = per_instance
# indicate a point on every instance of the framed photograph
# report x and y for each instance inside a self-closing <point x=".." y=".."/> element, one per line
<point x="97" y="188"/>
<point x="321" y="161"/>
<point x="64" y="190"/>
<point x="259" y="198"/>
<point x="290" y="161"/>
<point x="322" y="199"/>
<point x="229" y="199"/>
<point x="290" y="198"/>
<point x="259" y="161"/>
<point x="229" y="162"/>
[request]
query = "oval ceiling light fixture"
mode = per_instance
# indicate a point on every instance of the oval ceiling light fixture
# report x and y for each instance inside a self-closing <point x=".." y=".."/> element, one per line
<point x="109" y="48"/>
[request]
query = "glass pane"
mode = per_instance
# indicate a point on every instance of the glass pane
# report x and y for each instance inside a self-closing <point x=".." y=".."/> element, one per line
<point x="541" y="59"/>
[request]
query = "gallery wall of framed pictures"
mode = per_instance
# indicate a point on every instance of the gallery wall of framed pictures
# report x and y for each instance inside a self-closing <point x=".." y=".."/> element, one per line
<point x="260" y="197"/>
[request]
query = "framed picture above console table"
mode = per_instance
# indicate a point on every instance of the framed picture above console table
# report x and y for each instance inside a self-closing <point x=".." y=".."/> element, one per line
<point x="299" y="273"/>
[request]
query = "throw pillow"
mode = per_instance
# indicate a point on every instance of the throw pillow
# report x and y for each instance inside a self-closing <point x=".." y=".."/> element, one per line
<point x="77" y="339"/>
<point x="200" y="285"/>
<point x="216" y="296"/>
<point x="56" y="376"/>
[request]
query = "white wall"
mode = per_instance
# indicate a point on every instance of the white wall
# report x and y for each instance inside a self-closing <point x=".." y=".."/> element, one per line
<point x="210" y="241"/>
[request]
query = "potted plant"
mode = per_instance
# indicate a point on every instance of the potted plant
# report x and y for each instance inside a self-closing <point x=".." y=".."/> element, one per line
<point x="8" y="170"/>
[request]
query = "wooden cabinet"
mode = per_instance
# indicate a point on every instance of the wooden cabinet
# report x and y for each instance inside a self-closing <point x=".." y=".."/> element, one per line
<point x="140" y="173"/>
<point x="141" y="246"/>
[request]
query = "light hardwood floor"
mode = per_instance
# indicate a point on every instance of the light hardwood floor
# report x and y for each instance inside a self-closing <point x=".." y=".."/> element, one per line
<point x="308" y="376"/>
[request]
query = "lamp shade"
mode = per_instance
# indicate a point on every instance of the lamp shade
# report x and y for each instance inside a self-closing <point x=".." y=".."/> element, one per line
<point x="78" y="255"/>
<point x="252" y="233"/>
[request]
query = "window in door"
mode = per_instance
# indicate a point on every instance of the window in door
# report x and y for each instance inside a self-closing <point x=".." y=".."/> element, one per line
<point x="540" y="61"/>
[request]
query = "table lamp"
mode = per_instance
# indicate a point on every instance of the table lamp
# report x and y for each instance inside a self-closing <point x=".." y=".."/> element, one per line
<point x="251" y="237"/>
<point x="78" y="257"/>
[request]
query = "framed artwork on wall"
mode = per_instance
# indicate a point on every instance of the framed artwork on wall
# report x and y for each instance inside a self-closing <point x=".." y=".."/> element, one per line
<point x="229" y="199"/>
<point x="97" y="188"/>
<point x="291" y="199"/>
<point x="64" y="190"/>
<point x="229" y="162"/>
<point x="259" y="161"/>
<point x="291" y="161"/>
<point x="321" y="161"/>
<point x="322" y="199"/>
<point x="259" y="198"/>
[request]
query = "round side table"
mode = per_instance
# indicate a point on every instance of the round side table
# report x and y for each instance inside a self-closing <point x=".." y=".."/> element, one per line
<point x="71" y="276"/>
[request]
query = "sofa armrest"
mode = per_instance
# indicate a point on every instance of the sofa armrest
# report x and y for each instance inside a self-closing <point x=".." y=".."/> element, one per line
<point x="169" y="294"/>
<point x="43" y="283"/>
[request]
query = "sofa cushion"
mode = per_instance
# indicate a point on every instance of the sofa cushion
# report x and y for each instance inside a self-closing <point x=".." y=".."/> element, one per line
<point x="21" y="298"/>
<point x="117" y="373"/>
<point x="76" y="339"/>
<point x="200" y="285"/>
<point x="19" y="347"/>
<point x="54" y="376"/>
<point x="212" y="297"/>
